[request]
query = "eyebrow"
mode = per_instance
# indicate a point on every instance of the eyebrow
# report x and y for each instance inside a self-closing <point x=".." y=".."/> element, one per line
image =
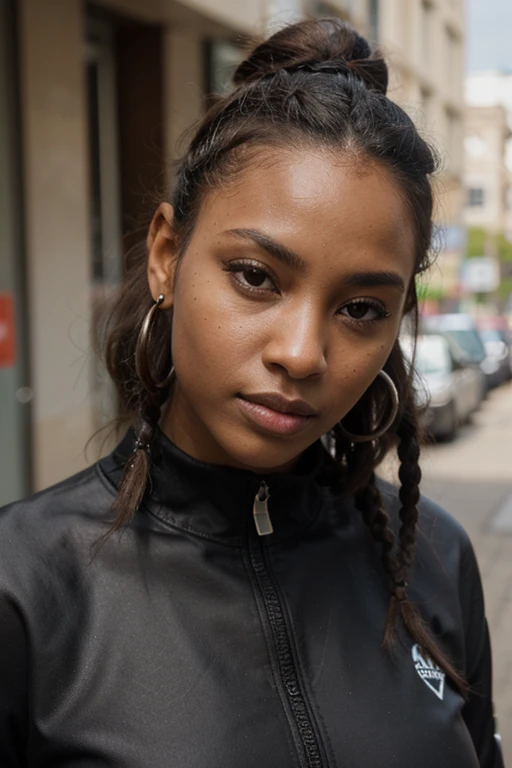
<point x="277" y="250"/>
<point x="289" y="258"/>
<point x="371" y="279"/>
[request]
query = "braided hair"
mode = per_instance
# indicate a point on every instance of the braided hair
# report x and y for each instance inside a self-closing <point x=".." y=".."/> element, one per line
<point x="318" y="83"/>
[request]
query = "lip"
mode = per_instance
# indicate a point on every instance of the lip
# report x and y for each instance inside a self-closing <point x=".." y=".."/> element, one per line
<point x="274" y="421"/>
<point x="277" y="402"/>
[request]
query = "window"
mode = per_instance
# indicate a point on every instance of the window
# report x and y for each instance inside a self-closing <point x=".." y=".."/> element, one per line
<point x="451" y="59"/>
<point x="426" y="105"/>
<point x="453" y="134"/>
<point x="426" y="31"/>
<point x="103" y="153"/>
<point x="344" y="9"/>
<point x="222" y="58"/>
<point x="373" y="20"/>
<point x="104" y="190"/>
<point x="475" y="145"/>
<point x="476" y="197"/>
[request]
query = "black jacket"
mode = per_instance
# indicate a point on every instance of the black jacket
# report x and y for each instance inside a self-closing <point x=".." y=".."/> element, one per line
<point x="190" y="641"/>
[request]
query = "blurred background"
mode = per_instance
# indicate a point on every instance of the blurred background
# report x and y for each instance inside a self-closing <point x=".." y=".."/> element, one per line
<point x="93" y="100"/>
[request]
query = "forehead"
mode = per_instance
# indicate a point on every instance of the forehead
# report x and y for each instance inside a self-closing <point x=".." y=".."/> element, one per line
<point x="318" y="202"/>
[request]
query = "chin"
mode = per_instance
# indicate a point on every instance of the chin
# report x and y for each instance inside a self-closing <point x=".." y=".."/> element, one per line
<point x="263" y="453"/>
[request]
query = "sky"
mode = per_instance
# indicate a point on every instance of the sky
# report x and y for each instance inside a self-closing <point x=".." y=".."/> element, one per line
<point x="489" y="35"/>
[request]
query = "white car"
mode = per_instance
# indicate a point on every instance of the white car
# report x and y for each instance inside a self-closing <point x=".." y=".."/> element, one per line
<point x="449" y="391"/>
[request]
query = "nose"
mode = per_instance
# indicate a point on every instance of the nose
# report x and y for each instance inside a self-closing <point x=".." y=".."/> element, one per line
<point x="298" y="344"/>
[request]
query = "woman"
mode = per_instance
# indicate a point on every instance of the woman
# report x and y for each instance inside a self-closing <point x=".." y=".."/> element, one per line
<point x="258" y="597"/>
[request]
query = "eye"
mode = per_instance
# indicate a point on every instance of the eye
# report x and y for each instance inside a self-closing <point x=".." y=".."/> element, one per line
<point x="250" y="276"/>
<point x="254" y="277"/>
<point x="364" y="311"/>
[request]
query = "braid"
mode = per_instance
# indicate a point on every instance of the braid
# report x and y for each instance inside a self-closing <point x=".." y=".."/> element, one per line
<point x="134" y="479"/>
<point x="369" y="502"/>
<point x="398" y="550"/>
<point x="136" y="471"/>
<point x="410" y="475"/>
<point x="138" y="401"/>
<point x="409" y="493"/>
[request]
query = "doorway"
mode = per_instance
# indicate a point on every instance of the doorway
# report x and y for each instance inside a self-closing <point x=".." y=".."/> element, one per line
<point x="126" y="162"/>
<point x="104" y="197"/>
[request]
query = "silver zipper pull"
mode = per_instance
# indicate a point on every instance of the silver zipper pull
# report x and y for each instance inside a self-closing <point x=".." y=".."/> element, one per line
<point x="260" y="511"/>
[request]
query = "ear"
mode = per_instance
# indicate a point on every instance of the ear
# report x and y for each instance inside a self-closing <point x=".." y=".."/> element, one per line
<point x="162" y="254"/>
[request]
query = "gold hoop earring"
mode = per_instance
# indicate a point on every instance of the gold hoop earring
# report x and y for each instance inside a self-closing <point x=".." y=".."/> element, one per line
<point x="141" y="363"/>
<point x="389" y="421"/>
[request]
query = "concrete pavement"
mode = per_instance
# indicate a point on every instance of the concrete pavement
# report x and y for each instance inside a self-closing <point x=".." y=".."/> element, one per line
<point x="472" y="478"/>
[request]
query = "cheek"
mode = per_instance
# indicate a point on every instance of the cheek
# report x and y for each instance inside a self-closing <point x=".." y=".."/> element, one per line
<point x="359" y="366"/>
<point x="218" y="340"/>
<point x="210" y="339"/>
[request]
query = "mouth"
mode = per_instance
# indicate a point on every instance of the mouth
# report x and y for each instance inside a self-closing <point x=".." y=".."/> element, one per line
<point x="277" y="402"/>
<point x="275" y="414"/>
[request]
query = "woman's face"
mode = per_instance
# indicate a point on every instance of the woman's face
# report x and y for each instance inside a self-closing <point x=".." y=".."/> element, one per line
<point x="292" y="286"/>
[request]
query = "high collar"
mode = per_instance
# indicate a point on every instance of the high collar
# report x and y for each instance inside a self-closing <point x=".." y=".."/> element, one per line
<point x="217" y="501"/>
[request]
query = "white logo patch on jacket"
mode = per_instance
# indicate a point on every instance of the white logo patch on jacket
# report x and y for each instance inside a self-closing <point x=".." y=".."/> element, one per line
<point x="430" y="673"/>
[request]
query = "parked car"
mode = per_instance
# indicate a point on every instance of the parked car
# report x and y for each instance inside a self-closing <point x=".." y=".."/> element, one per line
<point x="497" y="338"/>
<point x="451" y="390"/>
<point x="466" y="346"/>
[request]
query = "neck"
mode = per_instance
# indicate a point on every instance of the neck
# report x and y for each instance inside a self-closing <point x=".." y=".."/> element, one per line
<point x="183" y="426"/>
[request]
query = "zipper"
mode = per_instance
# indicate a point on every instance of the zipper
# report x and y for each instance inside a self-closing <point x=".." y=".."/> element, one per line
<point x="260" y="511"/>
<point x="292" y="693"/>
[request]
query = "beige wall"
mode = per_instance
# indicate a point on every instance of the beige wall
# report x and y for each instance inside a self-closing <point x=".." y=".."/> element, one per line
<point x="207" y="15"/>
<point x="183" y="84"/>
<point x="245" y="15"/>
<point x="57" y="232"/>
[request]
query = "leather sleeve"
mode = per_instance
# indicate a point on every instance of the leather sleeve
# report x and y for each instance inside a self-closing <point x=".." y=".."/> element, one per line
<point x="478" y="712"/>
<point x="13" y="687"/>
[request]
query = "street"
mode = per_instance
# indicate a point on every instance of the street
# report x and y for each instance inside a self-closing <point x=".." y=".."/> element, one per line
<point x="472" y="478"/>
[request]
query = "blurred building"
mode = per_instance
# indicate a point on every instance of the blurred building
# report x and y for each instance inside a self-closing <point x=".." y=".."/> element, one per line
<point x="488" y="88"/>
<point x="425" y="41"/>
<point x="488" y="151"/>
<point x="93" y="99"/>
<point x="487" y="178"/>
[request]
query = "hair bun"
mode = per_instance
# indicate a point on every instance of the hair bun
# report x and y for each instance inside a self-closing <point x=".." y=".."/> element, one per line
<point x="319" y="45"/>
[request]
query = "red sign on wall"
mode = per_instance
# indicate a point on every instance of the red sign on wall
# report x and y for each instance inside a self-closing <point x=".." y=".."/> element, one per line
<point x="7" y="339"/>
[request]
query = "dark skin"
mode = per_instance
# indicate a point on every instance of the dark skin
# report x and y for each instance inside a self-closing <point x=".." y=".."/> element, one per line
<point x="319" y="329"/>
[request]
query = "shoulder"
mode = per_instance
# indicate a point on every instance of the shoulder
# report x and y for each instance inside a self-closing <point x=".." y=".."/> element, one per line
<point x="82" y="494"/>
<point x="438" y="531"/>
<point x="445" y="580"/>
<point x="39" y="532"/>
<point x="445" y="564"/>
